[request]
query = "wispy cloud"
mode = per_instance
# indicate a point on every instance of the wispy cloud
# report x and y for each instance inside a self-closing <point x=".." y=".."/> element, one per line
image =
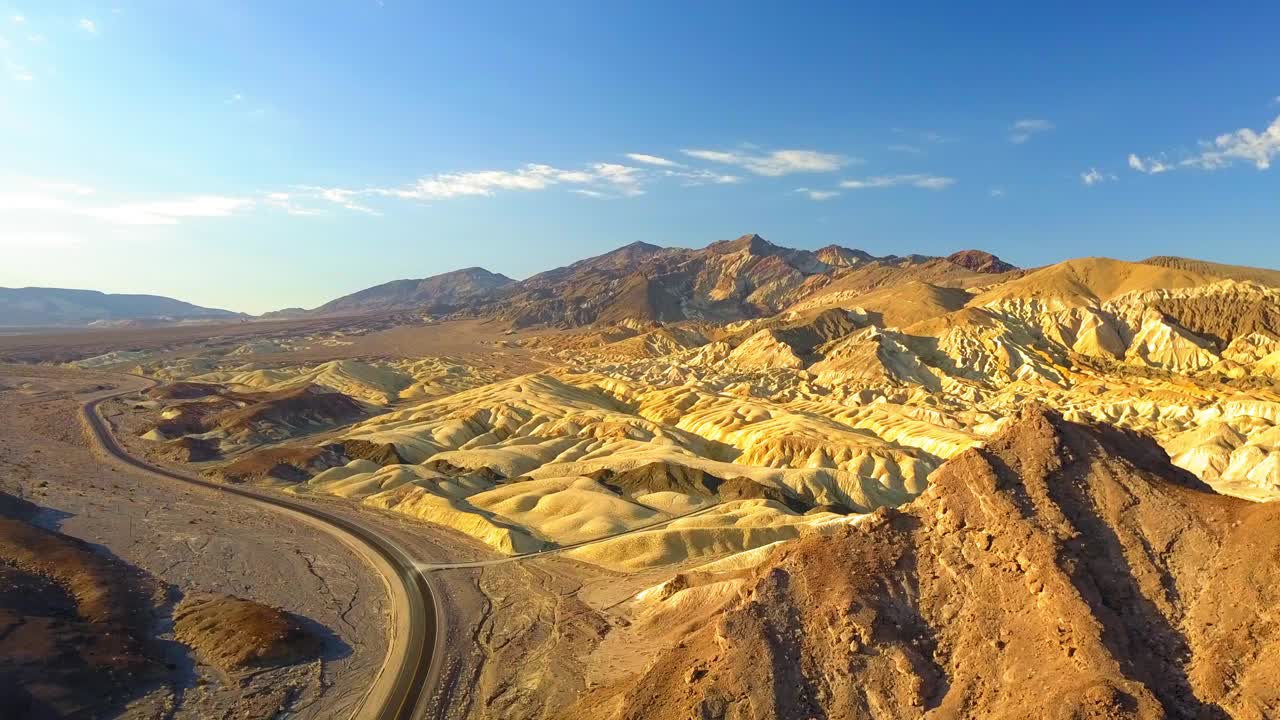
<point x="602" y="178"/>
<point x="652" y="160"/>
<point x="1095" y="177"/>
<point x="68" y="198"/>
<point x="588" y="193"/>
<point x="912" y="149"/>
<point x="18" y="72"/>
<point x="1257" y="148"/>
<point x="1150" y="166"/>
<point x="288" y="203"/>
<point x="88" y="26"/>
<point x="17" y="19"/>
<point x="343" y="198"/>
<point x="702" y="177"/>
<point x="931" y="137"/>
<point x="776" y="163"/>
<point x="996" y="192"/>
<point x="1023" y="130"/>
<point x="817" y="194"/>
<point x="169" y="212"/>
<point x="916" y="180"/>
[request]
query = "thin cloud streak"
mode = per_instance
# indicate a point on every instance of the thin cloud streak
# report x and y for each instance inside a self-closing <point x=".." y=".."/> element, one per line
<point x="644" y="159"/>
<point x="818" y="195"/>
<point x="916" y="180"/>
<point x="1024" y="130"/>
<point x="776" y="163"/>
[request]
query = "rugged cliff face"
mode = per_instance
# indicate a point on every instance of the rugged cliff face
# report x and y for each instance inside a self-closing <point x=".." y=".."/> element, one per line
<point x="1063" y="571"/>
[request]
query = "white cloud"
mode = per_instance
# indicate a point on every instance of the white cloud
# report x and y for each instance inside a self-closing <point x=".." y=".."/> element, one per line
<point x="588" y="193"/>
<point x="483" y="183"/>
<point x="623" y="177"/>
<point x="341" y="197"/>
<point x="26" y="200"/>
<point x="19" y="194"/>
<point x="1258" y="148"/>
<point x="926" y="182"/>
<point x="88" y="26"/>
<point x="18" y="72"/>
<point x="286" y="202"/>
<point x="906" y="149"/>
<point x="18" y="19"/>
<point x="694" y="178"/>
<point x="776" y="163"/>
<point x="1150" y="166"/>
<point x="1023" y="130"/>
<point x="652" y="160"/>
<point x="817" y="194"/>
<point x="997" y="192"/>
<point x="168" y="212"/>
<point x="59" y="186"/>
<point x="603" y="178"/>
<point x="1094" y="177"/>
<point x="1254" y="147"/>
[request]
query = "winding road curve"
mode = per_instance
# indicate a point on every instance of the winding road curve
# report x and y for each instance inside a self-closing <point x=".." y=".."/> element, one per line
<point x="411" y="671"/>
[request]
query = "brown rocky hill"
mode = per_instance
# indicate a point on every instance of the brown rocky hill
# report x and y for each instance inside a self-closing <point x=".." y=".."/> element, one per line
<point x="980" y="261"/>
<point x="874" y="284"/>
<point x="74" y="623"/>
<point x="1232" y="272"/>
<point x="444" y="292"/>
<point x="232" y="633"/>
<point x="1089" y="281"/>
<point x="1063" y="571"/>
<point x="726" y="281"/>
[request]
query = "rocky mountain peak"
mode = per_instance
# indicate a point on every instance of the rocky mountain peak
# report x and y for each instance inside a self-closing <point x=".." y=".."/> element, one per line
<point x="980" y="261"/>
<point x="751" y="243"/>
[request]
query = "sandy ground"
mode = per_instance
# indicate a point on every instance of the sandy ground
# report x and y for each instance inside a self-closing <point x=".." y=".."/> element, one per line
<point x="516" y="633"/>
<point x="506" y="654"/>
<point x="194" y="540"/>
<point x="483" y="342"/>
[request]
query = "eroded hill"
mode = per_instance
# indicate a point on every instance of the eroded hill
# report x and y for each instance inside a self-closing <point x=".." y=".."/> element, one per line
<point x="1063" y="568"/>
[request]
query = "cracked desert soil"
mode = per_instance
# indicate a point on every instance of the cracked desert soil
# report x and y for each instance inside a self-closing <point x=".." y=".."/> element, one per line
<point x="192" y="539"/>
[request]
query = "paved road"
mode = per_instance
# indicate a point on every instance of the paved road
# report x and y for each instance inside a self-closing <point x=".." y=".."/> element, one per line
<point x="410" y="674"/>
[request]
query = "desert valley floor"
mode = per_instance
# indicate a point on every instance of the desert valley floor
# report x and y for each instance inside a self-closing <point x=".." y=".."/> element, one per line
<point x="736" y="482"/>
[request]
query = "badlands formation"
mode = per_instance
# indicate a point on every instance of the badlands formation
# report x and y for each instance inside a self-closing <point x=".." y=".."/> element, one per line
<point x="843" y="384"/>
<point x="826" y="463"/>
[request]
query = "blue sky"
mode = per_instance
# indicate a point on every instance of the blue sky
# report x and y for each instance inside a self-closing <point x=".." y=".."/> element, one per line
<point x="258" y="155"/>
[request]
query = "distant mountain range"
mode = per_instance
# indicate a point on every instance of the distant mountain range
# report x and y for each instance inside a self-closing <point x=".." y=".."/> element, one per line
<point x="728" y="280"/>
<point x="33" y="306"/>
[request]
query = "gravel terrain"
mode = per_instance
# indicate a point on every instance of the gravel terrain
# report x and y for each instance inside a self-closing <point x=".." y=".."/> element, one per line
<point x="195" y="540"/>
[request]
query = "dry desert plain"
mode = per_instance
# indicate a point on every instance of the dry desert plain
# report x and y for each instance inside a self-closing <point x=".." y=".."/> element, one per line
<point x="742" y="481"/>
